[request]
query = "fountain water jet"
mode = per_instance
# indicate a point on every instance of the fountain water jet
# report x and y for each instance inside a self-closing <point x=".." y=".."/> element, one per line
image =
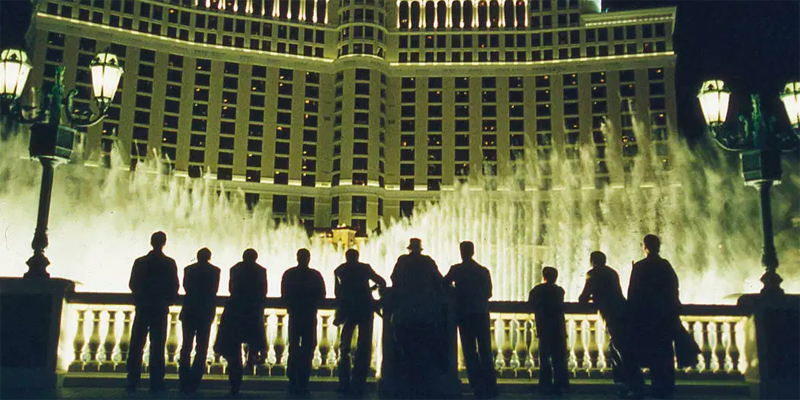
<point x="102" y="219"/>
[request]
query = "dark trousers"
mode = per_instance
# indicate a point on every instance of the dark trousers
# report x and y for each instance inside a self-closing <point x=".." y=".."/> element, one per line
<point x="191" y="373"/>
<point x="363" y="354"/>
<point x="154" y="322"/>
<point x="553" y="374"/>
<point x="420" y="355"/>
<point x="653" y="349"/>
<point x="625" y="367"/>
<point x="302" y="342"/>
<point x="235" y="367"/>
<point x="476" y="345"/>
<point x="662" y="370"/>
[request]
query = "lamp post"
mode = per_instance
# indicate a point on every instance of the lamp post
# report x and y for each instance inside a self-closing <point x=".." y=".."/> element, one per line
<point x="759" y="146"/>
<point x="51" y="142"/>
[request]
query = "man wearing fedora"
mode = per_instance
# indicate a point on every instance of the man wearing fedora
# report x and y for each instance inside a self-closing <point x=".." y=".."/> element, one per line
<point x="416" y="285"/>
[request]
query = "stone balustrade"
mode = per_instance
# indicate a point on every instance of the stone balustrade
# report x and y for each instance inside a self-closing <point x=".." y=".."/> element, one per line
<point x="96" y="338"/>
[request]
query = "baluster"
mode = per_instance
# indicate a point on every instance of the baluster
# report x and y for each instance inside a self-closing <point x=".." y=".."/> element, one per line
<point x="534" y="350"/>
<point x="726" y="346"/>
<point x="719" y="348"/>
<point x="572" y="360"/>
<point x="604" y="362"/>
<point x="705" y="349"/>
<point x="316" y="361"/>
<point x="733" y="348"/>
<point x="262" y="369"/>
<point x="514" y="332"/>
<point x="92" y="363"/>
<point x="324" y="348"/>
<point x="580" y="349"/>
<point x="462" y="367"/>
<point x="529" y="336"/>
<point x="373" y="362"/>
<point x="592" y="348"/>
<point x="521" y="348"/>
<point x="377" y="354"/>
<point x="78" y="343"/>
<point x="689" y="326"/>
<point x="506" y="348"/>
<point x="217" y="366"/>
<point x="334" y="347"/>
<point x="498" y="361"/>
<point x="280" y="346"/>
<point x="110" y="343"/>
<point x="172" y="343"/>
<point x="271" y="360"/>
<point x="124" y="341"/>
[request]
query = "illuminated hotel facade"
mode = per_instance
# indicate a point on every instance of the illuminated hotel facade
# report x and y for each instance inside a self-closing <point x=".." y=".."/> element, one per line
<point x="354" y="111"/>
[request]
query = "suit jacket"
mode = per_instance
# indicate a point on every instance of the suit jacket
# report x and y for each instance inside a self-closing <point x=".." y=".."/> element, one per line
<point x="416" y="283"/>
<point x="547" y="302"/>
<point x="603" y="289"/>
<point x="201" y="283"/>
<point x="154" y="282"/>
<point x="248" y="288"/>
<point x="303" y="289"/>
<point x="242" y="320"/>
<point x="352" y="289"/>
<point x="653" y="293"/>
<point x="473" y="287"/>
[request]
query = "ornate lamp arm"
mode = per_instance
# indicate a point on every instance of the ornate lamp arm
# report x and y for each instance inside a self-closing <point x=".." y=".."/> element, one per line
<point x="84" y="118"/>
<point x="754" y="132"/>
<point x="730" y="139"/>
<point x="787" y="141"/>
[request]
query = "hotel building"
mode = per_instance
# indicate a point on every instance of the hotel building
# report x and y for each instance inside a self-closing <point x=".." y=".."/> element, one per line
<point x="354" y="111"/>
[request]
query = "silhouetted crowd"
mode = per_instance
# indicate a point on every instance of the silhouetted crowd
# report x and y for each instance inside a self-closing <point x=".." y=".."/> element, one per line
<point x="642" y="327"/>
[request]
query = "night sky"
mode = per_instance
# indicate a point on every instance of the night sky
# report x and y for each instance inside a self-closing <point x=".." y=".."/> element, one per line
<point x="754" y="46"/>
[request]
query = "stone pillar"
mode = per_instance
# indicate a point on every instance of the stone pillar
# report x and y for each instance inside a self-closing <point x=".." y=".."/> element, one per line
<point x="30" y="325"/>
<point x="773" y="345"/>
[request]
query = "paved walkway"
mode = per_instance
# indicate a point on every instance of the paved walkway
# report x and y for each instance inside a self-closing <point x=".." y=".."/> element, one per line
<point x="112" y="387"/>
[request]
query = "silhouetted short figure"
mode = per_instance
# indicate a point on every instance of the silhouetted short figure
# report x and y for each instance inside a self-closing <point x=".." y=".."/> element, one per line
<point x="655" y="311"/>
<point x="416" y="285"/>
<point x="154" y="284"/>
<point x="242" y="320"/>
<point x="355" y="309"/>
<point x="473" y="287"/>
<point x="602" y="288"/>
<point x="547" y="302"/>
<point x="303" y="289"/>
<point x="201" y="283"/>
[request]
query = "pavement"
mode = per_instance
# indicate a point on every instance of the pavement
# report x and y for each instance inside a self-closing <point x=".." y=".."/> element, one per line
<point x="111" y="386"/>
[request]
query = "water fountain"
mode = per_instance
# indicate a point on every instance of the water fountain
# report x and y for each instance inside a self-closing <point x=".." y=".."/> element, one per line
<point x="101" y="221"/>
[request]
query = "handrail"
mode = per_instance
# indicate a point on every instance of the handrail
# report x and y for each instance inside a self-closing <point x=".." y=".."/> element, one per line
<point x="516" y="307"/>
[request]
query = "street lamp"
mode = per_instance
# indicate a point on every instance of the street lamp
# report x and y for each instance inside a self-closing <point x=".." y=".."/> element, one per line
<point x="51" y="142"/>
<point x="759" y="146"/>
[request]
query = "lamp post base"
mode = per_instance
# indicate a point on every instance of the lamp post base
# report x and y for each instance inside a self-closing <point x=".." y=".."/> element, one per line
<point x="772" y="349"/>
<point x="37" y="266"/>
<point x="30" y="325"/>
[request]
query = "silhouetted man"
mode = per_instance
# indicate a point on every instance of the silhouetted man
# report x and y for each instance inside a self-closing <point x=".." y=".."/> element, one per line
<point x="303" y="289"/>
<point x="243" y="318"/>
<point x="416" y="283"/>
<point x="201" y="283"/>
<point x="547" y="302"/>
<point x="602" y="288"/>
<point x="655" y="310"/>
<point x="154" y="284"/>
<point x="473" y="284"/>
<point x="355" y="308"/>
